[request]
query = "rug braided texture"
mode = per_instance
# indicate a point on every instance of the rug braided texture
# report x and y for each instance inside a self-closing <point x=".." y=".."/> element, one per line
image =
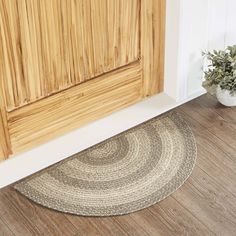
<point x="126" y="173"/>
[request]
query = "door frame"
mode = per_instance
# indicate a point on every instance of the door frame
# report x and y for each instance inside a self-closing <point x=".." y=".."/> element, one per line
<point x="153" y="17"/>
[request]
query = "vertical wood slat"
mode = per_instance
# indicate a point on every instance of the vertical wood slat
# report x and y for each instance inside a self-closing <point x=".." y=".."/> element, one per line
<point x="51" y="45"/>
<point x="5" y="145"/>
<point x="4" y="137"/>
<point x="152" y="45"/>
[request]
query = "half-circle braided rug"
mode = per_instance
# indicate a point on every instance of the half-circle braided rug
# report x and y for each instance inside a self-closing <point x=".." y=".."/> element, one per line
<point x="123" y="174"/>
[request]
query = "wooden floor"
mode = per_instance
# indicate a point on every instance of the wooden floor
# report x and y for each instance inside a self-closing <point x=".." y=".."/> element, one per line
<point x="204" y="205"/>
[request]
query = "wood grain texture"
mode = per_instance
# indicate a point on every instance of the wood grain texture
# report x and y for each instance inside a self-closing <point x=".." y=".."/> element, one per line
<point x="204" y="205"/>
<point x="27" y="218"/>
<point x="51" y="45"/>
<point x="47" y="118"/>
<point x="6" y="231"/>
<point x="153" y="14"/>
<point x="38" y="218"/>
<point x="5" y="145"/>
<point x="223" y="128"/>
<point x="209" y="201"/>
<point x="52" y="51"/>
<point x="98" y="226"/>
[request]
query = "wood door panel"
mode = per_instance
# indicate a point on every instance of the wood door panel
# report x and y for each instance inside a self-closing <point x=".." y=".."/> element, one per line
<point x="50" y="45"/>
<point x="49" y="117"/>
<point x="64" y="63"/>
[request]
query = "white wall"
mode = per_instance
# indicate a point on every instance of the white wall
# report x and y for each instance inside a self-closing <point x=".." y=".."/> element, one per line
<point x="194" y="41"/>
<point x="171" y="49"/>
<point x="204" y="25"/>
<point x="230" y="34"/>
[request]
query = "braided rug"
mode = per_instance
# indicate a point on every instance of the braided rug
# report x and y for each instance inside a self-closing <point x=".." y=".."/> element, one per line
<point x="123" y="174"/>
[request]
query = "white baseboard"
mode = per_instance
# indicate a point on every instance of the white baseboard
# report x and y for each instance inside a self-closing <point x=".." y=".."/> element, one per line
<point x="58" y="149"/>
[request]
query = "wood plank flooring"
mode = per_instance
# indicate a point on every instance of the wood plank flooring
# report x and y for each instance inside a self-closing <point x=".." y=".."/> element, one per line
<point x="204" y="205"/>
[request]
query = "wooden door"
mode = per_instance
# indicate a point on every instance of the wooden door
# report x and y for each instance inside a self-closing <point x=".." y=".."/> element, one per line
<point x="64" y="63"/>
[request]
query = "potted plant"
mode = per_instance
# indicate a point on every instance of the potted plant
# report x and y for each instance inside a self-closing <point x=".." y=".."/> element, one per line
<point x="220" y="76"/>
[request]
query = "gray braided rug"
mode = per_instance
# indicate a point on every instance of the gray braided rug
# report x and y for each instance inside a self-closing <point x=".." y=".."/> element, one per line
<point x="123" y="174"/>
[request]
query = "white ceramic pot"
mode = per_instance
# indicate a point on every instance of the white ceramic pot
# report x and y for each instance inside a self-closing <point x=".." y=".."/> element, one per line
<point x="225" y="98"/>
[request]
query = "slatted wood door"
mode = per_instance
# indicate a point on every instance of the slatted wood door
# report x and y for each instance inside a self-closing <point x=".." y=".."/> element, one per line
<point x="64" y="63"/>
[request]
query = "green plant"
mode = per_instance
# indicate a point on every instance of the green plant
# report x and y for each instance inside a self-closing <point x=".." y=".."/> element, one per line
<point x="221" y="70"/>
